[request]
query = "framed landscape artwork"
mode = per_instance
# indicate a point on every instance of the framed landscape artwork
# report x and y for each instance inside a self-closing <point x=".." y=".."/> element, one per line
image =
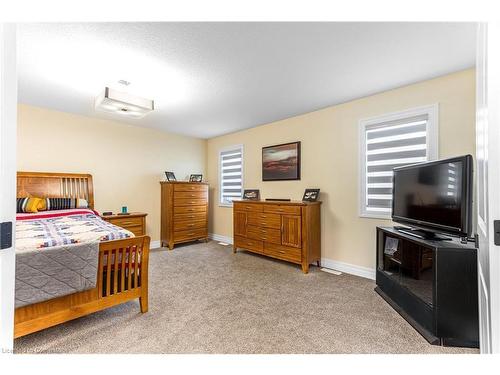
<point x="281" y="162"/>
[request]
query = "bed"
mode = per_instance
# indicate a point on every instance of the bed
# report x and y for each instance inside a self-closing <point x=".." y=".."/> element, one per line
<point x="92" y="264"/>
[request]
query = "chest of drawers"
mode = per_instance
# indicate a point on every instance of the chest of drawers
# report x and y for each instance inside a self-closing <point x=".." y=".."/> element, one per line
<point x="288" y="231"/>
<point x="184" y="212"/>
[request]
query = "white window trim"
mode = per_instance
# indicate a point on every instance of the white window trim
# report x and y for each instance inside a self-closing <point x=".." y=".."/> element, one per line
<point x="432" y="111"/>
<point x="228" y="148"/>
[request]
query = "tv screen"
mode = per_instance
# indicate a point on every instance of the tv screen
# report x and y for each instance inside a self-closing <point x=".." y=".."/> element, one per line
<point x="434" y="195"/>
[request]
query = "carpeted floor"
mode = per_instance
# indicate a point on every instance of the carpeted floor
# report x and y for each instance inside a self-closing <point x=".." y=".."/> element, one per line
<point x="204" y="299"/>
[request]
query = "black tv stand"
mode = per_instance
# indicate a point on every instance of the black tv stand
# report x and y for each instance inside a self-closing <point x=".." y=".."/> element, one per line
<point x="422" y="234"/>
<point x="431" y="284"/>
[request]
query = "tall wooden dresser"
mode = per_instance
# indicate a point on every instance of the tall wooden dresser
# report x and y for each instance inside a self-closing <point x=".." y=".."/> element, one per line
<point x="184" y="212"/>
<point x="289" y="231"/>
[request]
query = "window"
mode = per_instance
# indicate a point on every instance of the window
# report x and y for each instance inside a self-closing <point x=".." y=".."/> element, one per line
<point x="231" y="174"/>
<point x="391" y="141"/>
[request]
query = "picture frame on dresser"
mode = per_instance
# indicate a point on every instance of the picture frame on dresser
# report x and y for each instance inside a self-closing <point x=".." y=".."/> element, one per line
<point x="251" y="194"/>
<point x="310" y="195"/>
<point x="170" y="176"/>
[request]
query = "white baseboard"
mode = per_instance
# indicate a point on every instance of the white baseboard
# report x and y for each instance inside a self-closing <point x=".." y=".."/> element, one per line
<point x="352" y="269"/>
<point x="155" y="244"/>
<point x="368" y="273"/>
<point x="218" y="237"/>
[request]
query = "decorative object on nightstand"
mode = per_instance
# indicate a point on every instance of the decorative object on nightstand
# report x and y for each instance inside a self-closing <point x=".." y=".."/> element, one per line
<point x="124" y="211"/>
<point x="134" y="222"/>
<point x="310" y="195"/>
<point x="251" y="194"/>
<point x="196" y="178"/>
<point x="184" y="212"/>
<point x="288" y="231"/>
<point x="170" y="176"/>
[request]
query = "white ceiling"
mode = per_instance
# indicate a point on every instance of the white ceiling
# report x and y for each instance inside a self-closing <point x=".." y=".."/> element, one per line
<point x="209" y="79"/>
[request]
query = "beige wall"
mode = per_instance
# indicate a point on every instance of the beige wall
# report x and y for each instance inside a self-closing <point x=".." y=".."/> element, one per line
<point x="126" y="161"/>
<point x="330" y="158"/>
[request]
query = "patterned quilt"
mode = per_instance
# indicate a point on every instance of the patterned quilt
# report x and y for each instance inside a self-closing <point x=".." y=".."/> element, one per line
<point x="63" y="227"/>
<point x="57" y="253"/>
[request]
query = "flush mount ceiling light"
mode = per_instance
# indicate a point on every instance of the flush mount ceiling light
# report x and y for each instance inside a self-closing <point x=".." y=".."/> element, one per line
<point x="123" y="103"/>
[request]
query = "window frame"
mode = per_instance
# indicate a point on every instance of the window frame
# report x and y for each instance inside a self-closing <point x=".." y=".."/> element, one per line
<point x="221" y="150"/>
<point x="432" y="142"/>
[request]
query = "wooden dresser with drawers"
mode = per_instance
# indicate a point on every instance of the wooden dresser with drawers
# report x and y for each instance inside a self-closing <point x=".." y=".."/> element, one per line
<point x="289" y="231"/>
<point x="184" y="212"/>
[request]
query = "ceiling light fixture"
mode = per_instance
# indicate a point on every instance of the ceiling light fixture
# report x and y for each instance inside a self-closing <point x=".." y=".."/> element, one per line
<point x="114" y="101"/>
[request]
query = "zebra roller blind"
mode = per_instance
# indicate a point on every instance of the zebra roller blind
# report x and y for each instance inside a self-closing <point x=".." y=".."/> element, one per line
<point x="388" y="145"/>
<point x="231" y="174"/>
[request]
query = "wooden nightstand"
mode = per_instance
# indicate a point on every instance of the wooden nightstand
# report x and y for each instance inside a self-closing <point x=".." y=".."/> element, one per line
<point x="134" y="222"/>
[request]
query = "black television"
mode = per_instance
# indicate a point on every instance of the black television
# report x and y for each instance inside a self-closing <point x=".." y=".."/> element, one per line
<point x="434" y="197"/>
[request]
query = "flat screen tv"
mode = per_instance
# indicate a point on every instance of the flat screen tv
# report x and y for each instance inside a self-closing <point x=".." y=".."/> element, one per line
<point x="435" y="196"/>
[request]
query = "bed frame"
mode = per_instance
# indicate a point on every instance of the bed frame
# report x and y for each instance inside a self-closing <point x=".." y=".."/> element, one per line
<point x="122" y="273"/>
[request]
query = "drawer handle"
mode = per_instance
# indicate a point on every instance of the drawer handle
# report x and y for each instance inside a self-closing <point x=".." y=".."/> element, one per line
<point x="190" y="225"/>
<point x="264" y="238"/>
<point x="281" y="252"/>
<point x="127" y="223"/>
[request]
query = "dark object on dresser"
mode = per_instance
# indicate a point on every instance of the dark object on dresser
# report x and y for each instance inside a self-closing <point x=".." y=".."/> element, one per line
<point x="251" y="194"/>
<point x="287" y="231"/>
<point x="184" y="212"/>
<point x="170" y="176"/>
<point x="310" y="195"/>
<point x="432" y="284"/>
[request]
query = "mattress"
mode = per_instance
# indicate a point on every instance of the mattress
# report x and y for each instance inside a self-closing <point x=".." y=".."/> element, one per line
<point x="57" y="253"/>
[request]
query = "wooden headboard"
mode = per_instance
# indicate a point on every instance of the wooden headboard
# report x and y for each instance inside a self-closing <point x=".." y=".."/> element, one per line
<point x="55" y="185"/>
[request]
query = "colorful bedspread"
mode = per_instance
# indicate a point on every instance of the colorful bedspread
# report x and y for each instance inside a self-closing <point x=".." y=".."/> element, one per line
<point x="63" y="227"/>
<point x="57" y="253"/>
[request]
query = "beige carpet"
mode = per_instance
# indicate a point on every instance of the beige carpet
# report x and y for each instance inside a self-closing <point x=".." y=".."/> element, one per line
<point x="204" y="299"/>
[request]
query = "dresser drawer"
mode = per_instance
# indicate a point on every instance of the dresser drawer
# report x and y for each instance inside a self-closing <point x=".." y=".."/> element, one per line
<point x="189" y="202"/>
<point x="249" y="244"/>
<point x="127" y="222"/>
<point x="191" y="216"/>
<point x="265" y="220"/>
<point x="192" y="234"/>
<point x="282" y="209"/>
<point x="283" y="252"/>
<point x="264" y="234"/>
<point x="138" y="230"/>
<point x="135" y="224"/>
<point x="190" y="209"/>
<point x="191" y="194"/>
<point x="249" y="207"/>
<point x="189" y="224"/>
<point x="190" y="187"/>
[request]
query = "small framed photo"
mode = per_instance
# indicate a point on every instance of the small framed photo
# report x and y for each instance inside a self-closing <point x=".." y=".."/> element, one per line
<point x="196" y="178"/>
<point x="310" y="195"/>
<point x="251" y="194"/>
<point x="170" y="176"/>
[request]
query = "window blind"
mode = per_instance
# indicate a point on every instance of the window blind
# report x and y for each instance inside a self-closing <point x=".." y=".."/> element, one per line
<point x="389" y="145"/>
<point x="231" y="175"/>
